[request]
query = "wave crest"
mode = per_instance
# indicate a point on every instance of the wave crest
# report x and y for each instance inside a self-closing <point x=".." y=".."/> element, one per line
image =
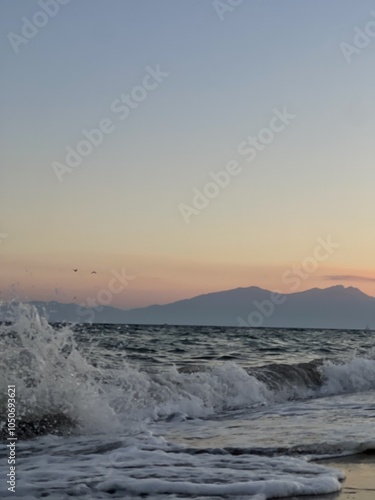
<point x="55" y="382"/>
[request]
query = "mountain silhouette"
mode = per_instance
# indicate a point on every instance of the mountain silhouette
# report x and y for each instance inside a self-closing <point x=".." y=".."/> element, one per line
<point x="334" y="307"/>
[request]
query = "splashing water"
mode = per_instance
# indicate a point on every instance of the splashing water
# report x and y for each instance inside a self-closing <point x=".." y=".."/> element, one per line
<point x="51" y="376"/>
<point x="130" y="428"/>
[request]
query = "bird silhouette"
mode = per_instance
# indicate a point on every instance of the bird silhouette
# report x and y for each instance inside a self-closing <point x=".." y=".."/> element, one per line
<point x="75" y="270"/>
<point x="93" y="272"/>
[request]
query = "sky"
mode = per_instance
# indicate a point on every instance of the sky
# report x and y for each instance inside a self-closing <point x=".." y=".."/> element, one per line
<point x="273" y="99"/>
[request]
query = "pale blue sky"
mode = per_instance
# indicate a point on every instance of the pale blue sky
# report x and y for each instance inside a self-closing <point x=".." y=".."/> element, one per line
<point x="226" y="77"/>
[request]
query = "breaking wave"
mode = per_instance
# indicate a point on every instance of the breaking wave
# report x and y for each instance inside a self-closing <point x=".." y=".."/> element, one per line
<point x="59" y="390"/>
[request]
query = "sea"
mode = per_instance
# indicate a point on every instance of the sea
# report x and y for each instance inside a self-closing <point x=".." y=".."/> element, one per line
<point x="182" y="412"/>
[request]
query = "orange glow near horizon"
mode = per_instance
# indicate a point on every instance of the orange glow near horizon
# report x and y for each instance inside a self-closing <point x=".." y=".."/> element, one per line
<point x="159" y="280"/>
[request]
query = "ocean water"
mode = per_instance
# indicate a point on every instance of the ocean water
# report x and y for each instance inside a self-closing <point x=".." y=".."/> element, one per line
<point x="166" y="412"/>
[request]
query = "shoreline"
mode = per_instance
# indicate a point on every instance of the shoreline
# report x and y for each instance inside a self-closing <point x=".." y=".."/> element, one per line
<point x="360" y="477"/>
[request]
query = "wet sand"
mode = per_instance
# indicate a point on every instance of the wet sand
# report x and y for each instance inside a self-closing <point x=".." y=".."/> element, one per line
<point x="360" y="477"/>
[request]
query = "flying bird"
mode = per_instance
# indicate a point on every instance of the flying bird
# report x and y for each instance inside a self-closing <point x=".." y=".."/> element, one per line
<point x="93" y="272"/>
<point x="75" y="270"/>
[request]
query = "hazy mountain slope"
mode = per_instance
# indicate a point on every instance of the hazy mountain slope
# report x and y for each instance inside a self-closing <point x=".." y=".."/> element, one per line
<point x="334" y="307"/>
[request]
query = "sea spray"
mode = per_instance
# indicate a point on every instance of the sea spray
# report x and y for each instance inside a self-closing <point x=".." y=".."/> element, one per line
<point x="157" y="428"/>
<point x="55" y="384"/>
<point x="58" y="387"/>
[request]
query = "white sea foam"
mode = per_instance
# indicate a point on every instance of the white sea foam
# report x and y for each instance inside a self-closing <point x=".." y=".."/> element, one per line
<point x="127" y="419"/>
<point x="356" y="375"/>
<point x="151" y="467"/>
<point x="53" y="377"/>
<point x="50" y="375"/>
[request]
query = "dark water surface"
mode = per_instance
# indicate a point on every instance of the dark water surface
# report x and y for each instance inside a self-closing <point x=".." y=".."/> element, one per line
<point x="183" y="412"/>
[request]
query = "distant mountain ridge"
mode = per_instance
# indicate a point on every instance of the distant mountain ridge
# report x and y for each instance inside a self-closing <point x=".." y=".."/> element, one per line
<point x="333" y="307"/>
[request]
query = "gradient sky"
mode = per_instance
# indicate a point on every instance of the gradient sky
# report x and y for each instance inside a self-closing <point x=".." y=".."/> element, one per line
<point x="120" y="207"/>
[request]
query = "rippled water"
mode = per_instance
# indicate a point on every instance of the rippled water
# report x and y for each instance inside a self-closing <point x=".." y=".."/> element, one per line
<point x="183" y="412"/>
